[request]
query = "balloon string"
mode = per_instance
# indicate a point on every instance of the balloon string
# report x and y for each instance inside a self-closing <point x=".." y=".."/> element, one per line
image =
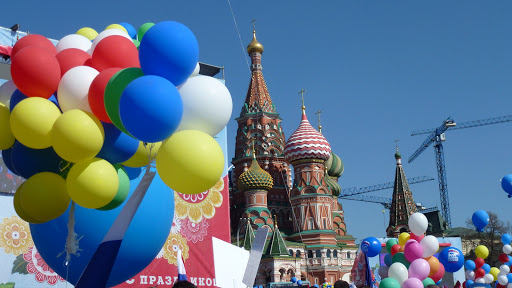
<point x="72" y="242"/>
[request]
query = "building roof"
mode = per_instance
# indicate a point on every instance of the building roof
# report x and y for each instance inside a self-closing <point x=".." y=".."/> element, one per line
<point x="334" y="166"/>
<point x="276" y="245"/>
<point x="255" y="178"/>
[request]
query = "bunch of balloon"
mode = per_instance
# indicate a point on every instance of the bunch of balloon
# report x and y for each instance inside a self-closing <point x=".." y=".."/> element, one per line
<point x="77" y="117"/>
<point x="478" y="271"/>
<point x="506" y="184"/>
<point x="411" y="262"/>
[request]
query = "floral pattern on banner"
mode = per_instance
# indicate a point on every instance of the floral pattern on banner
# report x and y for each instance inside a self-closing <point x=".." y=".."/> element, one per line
<point x="15" y="236"/>
<point x="37" y="266"/>
<point x="193" y="231"/>
<point x="174" y="243"/>
<point x="199" y="206"/>
<point x="176" y="225"/>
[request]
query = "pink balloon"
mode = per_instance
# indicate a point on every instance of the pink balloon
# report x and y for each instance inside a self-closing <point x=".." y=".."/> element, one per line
<point x="419" y="269"/>
<point x="413" y="250"/>
<point x="412" y="283"/>
<point x="409" y="242"/>
<point x="416" y="237"/>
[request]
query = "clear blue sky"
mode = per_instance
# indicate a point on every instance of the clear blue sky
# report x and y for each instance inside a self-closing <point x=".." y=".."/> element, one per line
<point x="377" y="69"/>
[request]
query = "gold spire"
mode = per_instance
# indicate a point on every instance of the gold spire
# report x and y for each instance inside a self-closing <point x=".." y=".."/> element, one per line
<point x="319" y="122"/>
<point x="275" y="222"/>
<point x="301" y="92"/>
<point x="253" y="150"/>
<point x="254" y="46"/>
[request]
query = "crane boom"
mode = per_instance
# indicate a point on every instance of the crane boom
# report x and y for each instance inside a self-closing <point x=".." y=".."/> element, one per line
<point x="469" y="124"/>
<point x="386" y="202"/>
<point x="356" y="190"/>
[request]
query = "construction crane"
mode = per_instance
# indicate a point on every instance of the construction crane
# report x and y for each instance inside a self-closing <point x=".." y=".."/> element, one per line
<point x="361" y="190"/>
<point x="437" y="137"/>
<point x="386" y="202"/>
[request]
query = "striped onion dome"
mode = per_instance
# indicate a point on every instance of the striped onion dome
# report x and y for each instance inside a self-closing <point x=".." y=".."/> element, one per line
<point x="306" y="143"/>
<point x="334" y="186"/>
<point x="334" y="166"/>
<point x="255" y="178"/>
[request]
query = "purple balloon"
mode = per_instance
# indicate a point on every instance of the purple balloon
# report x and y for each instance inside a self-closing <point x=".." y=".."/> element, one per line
<point x="413" y="250"/>
<point x="419" y="269"/>
<point x="412" y="283"/>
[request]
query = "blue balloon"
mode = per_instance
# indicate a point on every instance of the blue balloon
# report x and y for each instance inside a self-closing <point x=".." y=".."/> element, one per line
<point x="371" y="246"/>
<point x="130" y="29"/>
<point x="480" y="220"/>
<point x="470" y="265"/>
<point x="133" y="173"/>
<point x="469" y="282"/>
<point x="509" y="277"/>
<point x="54" y="100"/>
<point x="169" y="49"/>
<point x="7" y="158"/>
<point x="506" y="184"/>
<point x="294" y="279"/>
<point x="299" y="282"/>
<point x="509" y="263"/>
<point x="151" y="108"/>
<point x="506" y="239"/>
<point x="388" y="260"/>
<point x="487" y="268"/>
<point x="145" y="236"/>
<point x="452" y="259"/>
<point x="28" y="162"/>
<point x="316" y="285"/>
<point x="438" y="282"/>
<point x="118" y="146"/>
<point x="16" y="98"/>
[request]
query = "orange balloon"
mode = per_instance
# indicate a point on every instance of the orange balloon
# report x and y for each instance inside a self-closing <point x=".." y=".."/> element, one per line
<point x="434" y="265"/>
<point x="402" y="248"/>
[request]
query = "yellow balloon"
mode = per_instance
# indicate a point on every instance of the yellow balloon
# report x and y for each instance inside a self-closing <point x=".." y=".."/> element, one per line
<point x="403" y="238"/>
<point x="481" y="251"/>
<point x="92" y="183"/>
<point x="117" y="26"/>
<point x="77" y="136"/>
<point x="494" y="272"/>
<point x="190" y="162"/>
<point x="19" y="209"/>
<point x="44" y="196"/>
<point x="32" y="121"/>
<point x="87" y="32"/>
<point x="6" y="136"/>
<point x="141" y="157"/>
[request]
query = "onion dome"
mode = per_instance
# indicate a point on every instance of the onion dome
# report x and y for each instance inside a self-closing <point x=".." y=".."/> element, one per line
<point x="254" y="46"/>
<point x="333" y="186"/>
<point x="398" y="155"/>
<point x="306" y="143"/>
<point x="334" y="166"/>
<point x="255" y="178"/>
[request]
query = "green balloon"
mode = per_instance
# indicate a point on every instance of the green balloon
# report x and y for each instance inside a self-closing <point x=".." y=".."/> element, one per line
<point x="390" y="244"/>
<point x="122" y="191"/>
<point x="136" y="42"/>
<point x="143" y="29"/>
<point x="400" y="258"/>
<point x="389" y="283"/>
<point x="113" y="92"/>
<point x="428" y="281"/>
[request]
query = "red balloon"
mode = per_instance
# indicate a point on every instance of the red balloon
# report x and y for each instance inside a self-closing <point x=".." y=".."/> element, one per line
<point x="88" y="63"/>
<point x="416" y="237"/>
<point x="479" y="262"/>
<point x="439" y="274"/>
<point x="503" y="258"/>
<point x="498" y="285"/>
<point x="479" y="273"/>
<point x="70" y="58"/>
<point x="33" y="40"/>
<point x="395" y="249"/>
<point x="36" y="72"/>
<point x="96" y="93"/>
<point x="115" y="51"/>
<point x="464" y="284"/>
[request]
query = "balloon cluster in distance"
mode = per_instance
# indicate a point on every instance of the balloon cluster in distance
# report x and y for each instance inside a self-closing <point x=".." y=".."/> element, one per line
<point x="76" y="114"/>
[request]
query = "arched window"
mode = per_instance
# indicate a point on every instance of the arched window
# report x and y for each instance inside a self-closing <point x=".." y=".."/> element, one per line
<point x="335" y="253"/>
<point x="297" y="253"/>
<point x="291" y="252"/>
<point x="328" y="254"/>
<point x="310" y="254"/>
<point x="318" y="253"/>
<point x="348" y="255"/>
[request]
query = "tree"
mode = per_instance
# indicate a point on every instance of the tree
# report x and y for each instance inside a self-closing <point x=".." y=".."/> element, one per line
<point x="490" y="238"/>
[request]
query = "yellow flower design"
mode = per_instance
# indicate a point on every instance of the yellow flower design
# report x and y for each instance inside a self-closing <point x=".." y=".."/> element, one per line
<point x="174" y="243"/>
<point x="197" y="206"/>
<point x="14" y="236"/>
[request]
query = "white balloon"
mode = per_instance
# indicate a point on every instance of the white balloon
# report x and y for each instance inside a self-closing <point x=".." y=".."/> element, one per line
<point x="196" y="70"/>
<point x="470" y="275"/>
<point x="418" y="223"/>
<point x="74" y="41"/>
<point x="480" y="280"/>
<point x="488" y="278"/>
<point x="105" y="34"/>
<point x="398" y="271"/>
<point x="505" y="269"/>
<point x="507" y="249"/>
<point x="6" y="91"/>
<point x="430" y="245"/>
<point x="73" y="88"/>
<point x="207" y="105"/>
<point x="502" y="279"/>
<point x="383" y="272"/>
